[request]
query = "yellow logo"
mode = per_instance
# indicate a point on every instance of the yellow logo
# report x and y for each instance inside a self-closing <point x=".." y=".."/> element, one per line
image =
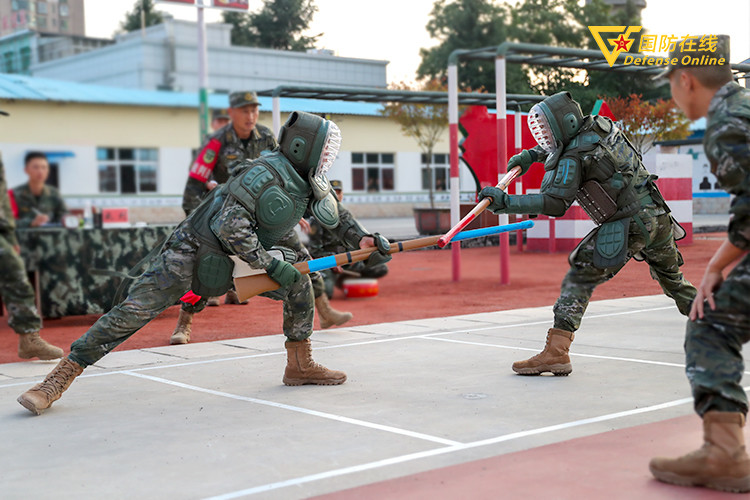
<point x="619" y="44"/>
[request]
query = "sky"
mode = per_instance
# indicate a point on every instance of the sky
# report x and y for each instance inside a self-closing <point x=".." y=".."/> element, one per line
<point x="394" y="30"/>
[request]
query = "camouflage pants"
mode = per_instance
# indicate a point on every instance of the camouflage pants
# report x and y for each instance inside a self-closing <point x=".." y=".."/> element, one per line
<point x="16" y="291"/>
<point x="167" y="279"/>
<point x="713" y="346"/>
<point x="659" y="252"/>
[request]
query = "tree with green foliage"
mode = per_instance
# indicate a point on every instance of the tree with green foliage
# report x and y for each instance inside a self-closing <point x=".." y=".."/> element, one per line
<point x="467" y="24"/>
<point x="133" y="20"/>
<point x="278" y="25"/>
<point x="425" y="123"/>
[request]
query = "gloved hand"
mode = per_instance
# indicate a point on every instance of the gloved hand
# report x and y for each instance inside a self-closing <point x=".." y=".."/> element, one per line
<point x="524" y="159"/>
<point x="499" y="198"/>
<point x="381" y="256"/>
<point x="283" y="272"/>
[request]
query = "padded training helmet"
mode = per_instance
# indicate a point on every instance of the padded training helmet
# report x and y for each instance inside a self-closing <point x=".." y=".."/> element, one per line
<point x="310" y="142"/>
<point x="556" y="119"/>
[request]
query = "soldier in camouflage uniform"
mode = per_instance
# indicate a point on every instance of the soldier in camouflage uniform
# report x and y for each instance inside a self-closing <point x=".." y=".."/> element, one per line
<point x="37" y="202"/>
<point x="322" y="243"/>
<point x="590" y="160"/>
<point x="240" y="139"/>
<point x="246" y="217"/>
<point x="15" y="288"/>
<point x="719" y="322"/>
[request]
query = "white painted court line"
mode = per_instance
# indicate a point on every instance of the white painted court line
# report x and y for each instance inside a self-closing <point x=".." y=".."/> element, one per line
<point x="352" y="344"/>
<point x="611" y="358"/>
<point x="314" y="413"/>
<point x="442" y="451"/>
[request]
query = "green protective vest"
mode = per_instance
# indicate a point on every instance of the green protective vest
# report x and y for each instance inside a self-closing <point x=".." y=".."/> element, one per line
<point x="607" y="158"/>
<point x="278" y="196"/>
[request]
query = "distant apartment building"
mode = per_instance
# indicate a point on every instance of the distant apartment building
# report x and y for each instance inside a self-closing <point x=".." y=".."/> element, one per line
<point x="37" y="31"/>
<point x="64" y="17"/>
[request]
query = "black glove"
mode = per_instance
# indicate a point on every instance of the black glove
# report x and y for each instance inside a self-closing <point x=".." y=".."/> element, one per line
<point x="381" y="256"/>
<point x="283" y="272"/>
<point x="499" y="198"/>
<point x="524" y="159"/>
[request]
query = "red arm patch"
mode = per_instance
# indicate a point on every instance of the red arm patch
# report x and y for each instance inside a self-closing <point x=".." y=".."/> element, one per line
<point x="205" y="161"/>
<point x="13" y="205"/>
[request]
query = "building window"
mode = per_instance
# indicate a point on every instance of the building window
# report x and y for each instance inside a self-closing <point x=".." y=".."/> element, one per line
<point x="8" y="59"/>
<point x="439" y="168"/>
<point x="41" y="21"/>
<point x="372" y="172"/>
<point x="127" y="170"/>
<point x="63" y="9"/>
<point x="63" y="25"/>
<point x="41" y="7"/>
<point x="25" y="58"/>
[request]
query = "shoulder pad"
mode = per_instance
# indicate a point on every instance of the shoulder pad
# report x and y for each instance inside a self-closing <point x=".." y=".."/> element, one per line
<point x="605" y="124"/>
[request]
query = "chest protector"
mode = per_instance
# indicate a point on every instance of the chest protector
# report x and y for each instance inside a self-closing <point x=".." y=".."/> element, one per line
<point x="611" y="168"/>
<point x="278" y="196"/>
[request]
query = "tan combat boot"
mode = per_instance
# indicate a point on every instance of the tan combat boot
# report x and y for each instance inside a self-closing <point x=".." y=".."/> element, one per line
<point x="301" y="369"/>
<point x="31" y="345"/>
<point x="328" y="315"/>
<point x="41" y="396"/>
<point x="721" y="463"/>
<point x="232" y="298"/>
<point x="554" y="358"/>
<point x="182" y="331"/>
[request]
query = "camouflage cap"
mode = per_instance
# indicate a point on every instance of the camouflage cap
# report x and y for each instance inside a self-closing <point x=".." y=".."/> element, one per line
<point x="696" y="51"/>
<point x="337" y="185"/>
<point x="220" y="113"/>
<point x="243" y="98"/>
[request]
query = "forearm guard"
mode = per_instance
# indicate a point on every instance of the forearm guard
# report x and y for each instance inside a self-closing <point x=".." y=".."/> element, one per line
<point x="525" y="204"/>
<point x="535" y="204"/>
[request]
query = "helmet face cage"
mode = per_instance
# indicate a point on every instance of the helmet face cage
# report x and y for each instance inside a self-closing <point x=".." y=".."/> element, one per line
<point x="330" y="150"/>
<point x="540" y="129"/>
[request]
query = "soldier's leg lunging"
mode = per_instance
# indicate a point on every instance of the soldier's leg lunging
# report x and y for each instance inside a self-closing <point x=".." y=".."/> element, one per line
<point x="165" y="281"/>
<point x="298" y="325"/>
<point x="576" y="289"/>
<point x="664" y="261"/>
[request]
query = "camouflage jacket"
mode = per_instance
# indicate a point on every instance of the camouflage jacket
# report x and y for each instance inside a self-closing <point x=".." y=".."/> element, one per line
<point x="7" y="222"/>
<point x="230" y="151"/>
<point x="49" y="203"/>
<point x="727" y="146"/>
<point x="323" y="242"/>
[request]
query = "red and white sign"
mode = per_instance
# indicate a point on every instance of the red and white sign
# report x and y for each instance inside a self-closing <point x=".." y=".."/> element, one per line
<point x="114" y="217"/>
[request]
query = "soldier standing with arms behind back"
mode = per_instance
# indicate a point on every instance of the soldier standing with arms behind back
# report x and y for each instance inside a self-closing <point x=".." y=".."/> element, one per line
<point x="719" y="322"/>
<point x="589" y="159"/>
<point x="15" y="288"/>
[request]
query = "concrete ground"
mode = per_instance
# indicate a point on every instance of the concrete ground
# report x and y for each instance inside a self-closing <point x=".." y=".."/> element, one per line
<point x="426" y="399"/>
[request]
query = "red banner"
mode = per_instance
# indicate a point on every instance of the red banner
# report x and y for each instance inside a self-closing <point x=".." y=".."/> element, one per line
<point x="232" y="4"/>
